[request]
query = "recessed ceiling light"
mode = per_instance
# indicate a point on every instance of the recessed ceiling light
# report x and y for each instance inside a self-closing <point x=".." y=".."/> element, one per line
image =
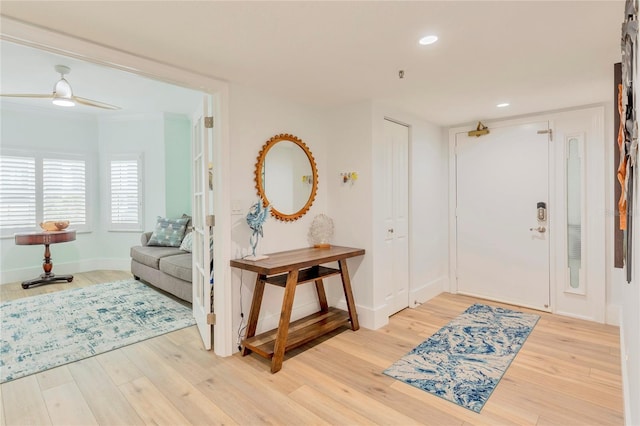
<point x="430" y="39"/>
<point x="503" y="105"/>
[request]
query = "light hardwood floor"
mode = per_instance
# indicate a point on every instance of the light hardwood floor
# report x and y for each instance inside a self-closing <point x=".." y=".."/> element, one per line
<point x="567" y="373"/>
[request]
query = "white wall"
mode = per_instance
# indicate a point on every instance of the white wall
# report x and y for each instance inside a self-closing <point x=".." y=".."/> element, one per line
<point x="254" y="119"/>
<point x="44" y="130"/>
<point x="351" y="203"/>
<point x="132" y="134"/>
<point x="66" y="131"/>
<point x="344" y="139"/>
<point x="630" y="319"/>
<point x="177" y="143"/>
<point x="357" y="145"/>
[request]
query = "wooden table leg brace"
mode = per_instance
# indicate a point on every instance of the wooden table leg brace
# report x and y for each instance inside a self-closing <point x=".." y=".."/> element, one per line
<point x="252" y="322"/>
<point x="348" y="294"/>
<point x="285" y="317"/>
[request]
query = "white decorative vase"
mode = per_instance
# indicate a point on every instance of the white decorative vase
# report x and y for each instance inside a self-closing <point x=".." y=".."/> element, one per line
<point x="321" y="231"/>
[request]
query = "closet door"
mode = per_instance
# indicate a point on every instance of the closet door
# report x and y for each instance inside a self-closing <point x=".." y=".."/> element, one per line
<point x="396" y="190"/>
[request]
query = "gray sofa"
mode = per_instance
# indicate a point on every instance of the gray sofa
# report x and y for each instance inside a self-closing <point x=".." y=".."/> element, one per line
<point x="167" y="268"/>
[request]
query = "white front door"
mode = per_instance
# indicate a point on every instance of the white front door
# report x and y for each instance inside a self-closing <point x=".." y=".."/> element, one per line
<point x="202" y="138"/>
<point x="502" y="246"/>
<point x="396" y="230"/>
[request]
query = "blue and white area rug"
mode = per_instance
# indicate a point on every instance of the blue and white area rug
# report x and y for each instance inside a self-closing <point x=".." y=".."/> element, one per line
<point x="49" y="330"/>
<point x="464" y="361"/>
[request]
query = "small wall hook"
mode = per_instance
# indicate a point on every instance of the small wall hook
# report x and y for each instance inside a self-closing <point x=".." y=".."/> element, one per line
<point x="349" y="177"/>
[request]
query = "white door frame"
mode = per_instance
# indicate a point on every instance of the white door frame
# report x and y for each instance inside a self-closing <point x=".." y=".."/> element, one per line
<point x="43" y="39"/>
<point x="201" y="145"/>
<point x="595" y="253"/>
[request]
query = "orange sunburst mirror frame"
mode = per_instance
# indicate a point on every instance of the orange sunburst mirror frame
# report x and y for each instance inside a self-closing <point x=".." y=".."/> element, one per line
<point x="311" y="180"/>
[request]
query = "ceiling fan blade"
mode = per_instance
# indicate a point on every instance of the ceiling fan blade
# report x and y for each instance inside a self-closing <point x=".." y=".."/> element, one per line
<point x="89" y="102"/>
<point x="25" y="95"/>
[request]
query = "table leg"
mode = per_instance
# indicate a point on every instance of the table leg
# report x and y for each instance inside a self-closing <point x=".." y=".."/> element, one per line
<point x="283" y="325"/>
<point x="47" y="266"/>
<point x="256" y="302"/>
<point x="322" y="296"/>
<point x="348" y="294"/>
<point x="47" y="276"/>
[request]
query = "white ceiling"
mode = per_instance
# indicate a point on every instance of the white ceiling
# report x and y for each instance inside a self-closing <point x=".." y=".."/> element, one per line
<point x="537" y="55"/>
<point x="29" y="70"/>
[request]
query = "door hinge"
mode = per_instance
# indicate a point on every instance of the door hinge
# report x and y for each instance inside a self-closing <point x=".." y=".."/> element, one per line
<point x="211" y="318"/>
<point x="208" y="122"/>
<point x="211" y="220"/>
<point x="547" y="132"/>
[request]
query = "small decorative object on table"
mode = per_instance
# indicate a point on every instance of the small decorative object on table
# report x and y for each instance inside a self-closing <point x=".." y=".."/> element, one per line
<point x="258" y="214"/>
<point x="54" y="225"/>
<point x="321" y="231"/>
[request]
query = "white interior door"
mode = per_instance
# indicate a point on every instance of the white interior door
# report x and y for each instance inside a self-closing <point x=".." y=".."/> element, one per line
<point x="501" y="177"/>
<point x="202" y="137"/>
<point x="396" y="190"/>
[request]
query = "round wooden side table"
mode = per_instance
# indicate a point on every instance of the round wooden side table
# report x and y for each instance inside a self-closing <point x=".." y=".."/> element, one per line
<point x="46" y="238"/>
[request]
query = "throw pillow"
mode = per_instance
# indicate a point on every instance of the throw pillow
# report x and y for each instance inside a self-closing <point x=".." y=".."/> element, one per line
<point x="187" y="242"/>
<point x="168" y="232"/>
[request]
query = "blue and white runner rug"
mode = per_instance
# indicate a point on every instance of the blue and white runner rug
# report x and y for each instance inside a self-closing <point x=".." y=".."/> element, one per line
<point x="464" y="361"/>
<point x="45" y="331"/>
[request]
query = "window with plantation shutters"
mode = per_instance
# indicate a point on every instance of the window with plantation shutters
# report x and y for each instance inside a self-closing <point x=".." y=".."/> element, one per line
<point x="64" y="194"/>
<point x="17" y="193"/>
<point x="125" y="189"/>
<point x="37" y="187"/>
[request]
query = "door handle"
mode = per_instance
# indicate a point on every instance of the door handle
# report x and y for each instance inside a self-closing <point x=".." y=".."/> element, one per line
<point x="540" y="229"/>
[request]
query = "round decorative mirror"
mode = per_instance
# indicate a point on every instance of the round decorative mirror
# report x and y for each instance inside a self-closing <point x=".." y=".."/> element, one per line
<point x="286" y="177"/>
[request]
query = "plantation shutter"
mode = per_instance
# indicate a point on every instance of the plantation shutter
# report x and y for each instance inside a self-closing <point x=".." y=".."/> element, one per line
<point x="17" y="193"/>
<point x="125" y="194"/>
<point x="64" y="190"/>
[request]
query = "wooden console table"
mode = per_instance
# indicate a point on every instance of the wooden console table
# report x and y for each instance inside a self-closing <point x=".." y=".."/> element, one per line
<point x="46" y="238"/>
<point x="288" y="269"/>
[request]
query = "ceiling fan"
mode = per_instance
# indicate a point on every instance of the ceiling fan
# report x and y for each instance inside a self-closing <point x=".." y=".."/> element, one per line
<point x="62" y="94"/>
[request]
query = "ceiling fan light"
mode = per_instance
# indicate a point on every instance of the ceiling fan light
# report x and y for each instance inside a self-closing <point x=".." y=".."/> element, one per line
<point x="62" y="94"/>
<point x="63" y="89"/>
<point x="65" y="102"/>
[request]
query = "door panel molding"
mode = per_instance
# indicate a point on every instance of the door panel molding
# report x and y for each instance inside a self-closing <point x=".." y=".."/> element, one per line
<point x="590" y="120"/>
<point x="501" y="177"/>
<point x="396" y="192"/>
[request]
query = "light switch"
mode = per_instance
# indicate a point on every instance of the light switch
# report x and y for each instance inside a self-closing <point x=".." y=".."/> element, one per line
<point x="236" y="207"/>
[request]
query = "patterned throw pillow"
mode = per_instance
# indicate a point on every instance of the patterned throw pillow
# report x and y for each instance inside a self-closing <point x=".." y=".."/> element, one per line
<point x="187" y="242"/>
<point x="169" y="232"/>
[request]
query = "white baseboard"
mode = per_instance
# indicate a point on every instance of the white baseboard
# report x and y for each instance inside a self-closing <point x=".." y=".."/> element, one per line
<point x="613" y="315"/>
<point x="428" y="291"/>
<point x="625" y="370"/>
<point x="372" y="319"/>
<point x="375" y="318"/>
<point x="22" y="274"/>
